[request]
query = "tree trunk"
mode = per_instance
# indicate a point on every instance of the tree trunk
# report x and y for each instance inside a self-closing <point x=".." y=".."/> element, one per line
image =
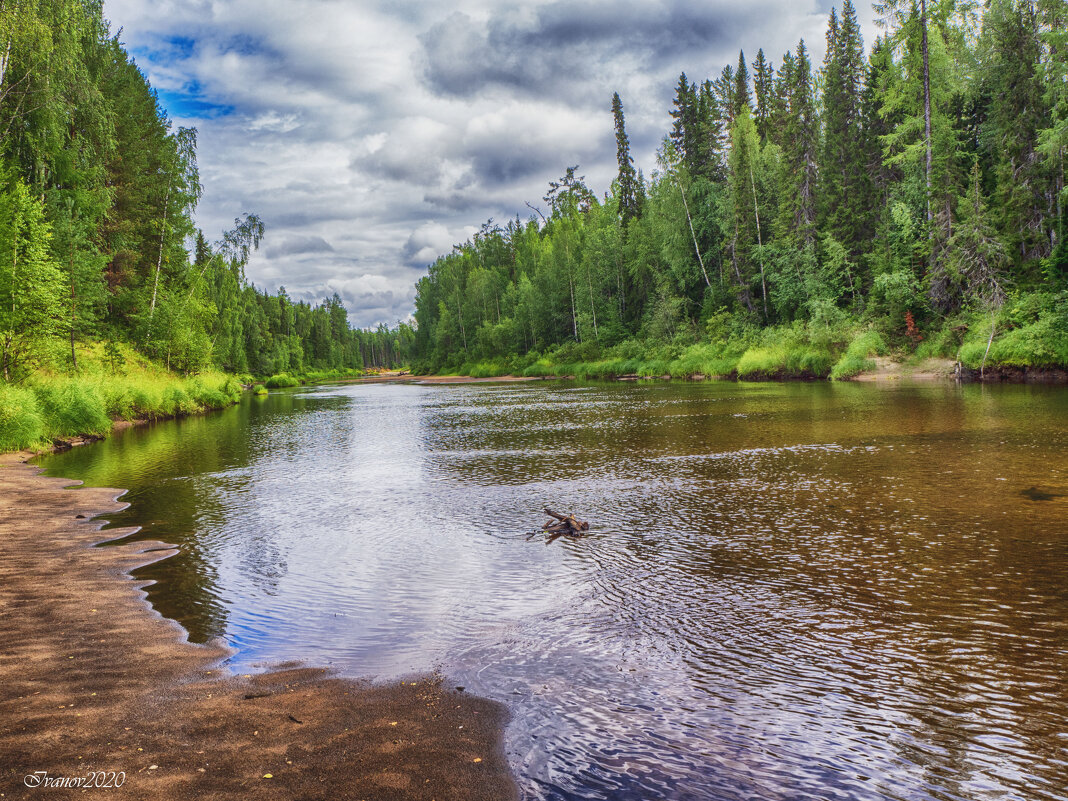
<point x="571" y="287"/>
<point x="989" y="342"/>
<point x="593" y="310"/>
<point x="159" y="260"/>
<point x="460" y="319"/>
<point x="73" y="308"/>
<point x="760" y="243"/>
<point x="3" y="62"/>
<point x="926" y="108"/>
<point x="696" y="249"/>
<point x="742" y="286"/>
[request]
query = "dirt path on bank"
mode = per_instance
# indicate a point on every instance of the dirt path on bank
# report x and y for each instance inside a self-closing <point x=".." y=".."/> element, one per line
<point x="91" y="679"/>
<point x="927" y="370"/>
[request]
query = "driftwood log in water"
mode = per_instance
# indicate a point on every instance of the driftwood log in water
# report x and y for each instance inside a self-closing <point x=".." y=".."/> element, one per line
<point x="565" y="524"/>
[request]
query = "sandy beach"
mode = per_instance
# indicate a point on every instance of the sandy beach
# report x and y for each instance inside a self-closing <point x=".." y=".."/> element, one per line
<point x="95" y="686"/>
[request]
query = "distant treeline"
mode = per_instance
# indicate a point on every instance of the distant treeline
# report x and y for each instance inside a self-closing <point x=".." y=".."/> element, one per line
<point x="916" y="191"/>
<point x="97" y="190"/>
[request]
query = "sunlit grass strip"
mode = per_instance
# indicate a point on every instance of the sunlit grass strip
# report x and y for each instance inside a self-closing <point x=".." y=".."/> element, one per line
<point x="49" y="408"/>
<point x="857" y="357"/>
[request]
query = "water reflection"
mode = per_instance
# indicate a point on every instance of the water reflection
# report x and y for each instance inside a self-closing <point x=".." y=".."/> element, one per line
<point x="832" y="591"/>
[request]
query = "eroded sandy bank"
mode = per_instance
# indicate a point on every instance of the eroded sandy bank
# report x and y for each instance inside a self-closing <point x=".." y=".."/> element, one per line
<point x="91" y="679"/>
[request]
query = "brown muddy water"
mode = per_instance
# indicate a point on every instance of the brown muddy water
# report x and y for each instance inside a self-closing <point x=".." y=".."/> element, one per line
<point x="790" y="591"/>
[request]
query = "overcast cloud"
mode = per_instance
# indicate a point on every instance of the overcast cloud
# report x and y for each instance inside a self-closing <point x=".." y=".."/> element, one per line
<point x="372" y="136"/>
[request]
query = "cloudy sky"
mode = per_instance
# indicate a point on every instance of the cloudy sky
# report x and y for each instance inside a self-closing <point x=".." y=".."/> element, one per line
<point x="372" y="136"/>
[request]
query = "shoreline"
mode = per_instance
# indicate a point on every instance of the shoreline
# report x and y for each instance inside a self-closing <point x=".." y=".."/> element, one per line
<point x="885" y="369"/>
<point x="93" y="679"/>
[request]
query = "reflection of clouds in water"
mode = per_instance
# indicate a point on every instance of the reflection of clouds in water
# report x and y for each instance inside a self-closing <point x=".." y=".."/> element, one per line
<point x="783" y="585"/>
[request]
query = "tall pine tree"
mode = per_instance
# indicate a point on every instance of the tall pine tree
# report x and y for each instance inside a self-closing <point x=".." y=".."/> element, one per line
<point x="844" y="187"/>
<point x="628" y="190"/>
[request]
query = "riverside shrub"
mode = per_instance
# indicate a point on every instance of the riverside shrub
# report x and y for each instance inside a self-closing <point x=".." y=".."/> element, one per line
<point x="69" y="407"/>
<point x="21" y="425"/>
<point x="281" y="380"/>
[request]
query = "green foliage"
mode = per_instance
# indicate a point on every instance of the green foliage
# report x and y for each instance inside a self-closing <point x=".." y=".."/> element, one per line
<point x="856" y="358"/>
<point x="895" y="293"/>
<point x="97" y="193"/>
<point x="51" y="407"/>
<point x="30" y="281"/>
<point x="69" y="408"/>
<point x="767" y="236"/>
<point x="280" y="380"/>
<point x="1030" y="331"/>
<point x="762" y="362"/>
<point x="21" y="425"/>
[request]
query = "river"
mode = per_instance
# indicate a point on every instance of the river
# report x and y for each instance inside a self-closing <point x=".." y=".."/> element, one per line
<point x="833" y="591"/>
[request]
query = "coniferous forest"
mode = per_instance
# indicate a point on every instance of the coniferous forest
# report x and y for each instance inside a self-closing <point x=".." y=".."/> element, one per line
<point x="905" y="196"/>
<point x="97" y="192"/>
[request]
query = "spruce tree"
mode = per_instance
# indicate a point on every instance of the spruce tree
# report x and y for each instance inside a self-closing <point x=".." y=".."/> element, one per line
<point x="684" y="131"/>
<point x="1010" y="83"/>
<point x="628" y="200"/>
<point x="741" y="98"/>
<point x="724" y="88"/>
<point x="843" y="184"/>
<point x="800" y="146"/>
<point x="779" y="105"/>
<point x="977" y="256"/>
<point x="763" y="76"/>
<point x="712" y="134"/>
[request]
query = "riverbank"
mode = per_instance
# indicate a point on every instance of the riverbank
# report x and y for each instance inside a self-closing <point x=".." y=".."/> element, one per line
<point x="93" y="680"/>
<point x="47" y="409"/>
<point x="405" y="377"/>
<point x="880" y="368"/>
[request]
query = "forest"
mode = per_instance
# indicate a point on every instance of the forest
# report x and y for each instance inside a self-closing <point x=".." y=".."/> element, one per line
<point x="904" y="200"/>
<point x="97" y="194"/>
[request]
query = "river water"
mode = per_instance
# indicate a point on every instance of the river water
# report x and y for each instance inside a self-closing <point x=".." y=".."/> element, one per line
<point x="789" y="591"/>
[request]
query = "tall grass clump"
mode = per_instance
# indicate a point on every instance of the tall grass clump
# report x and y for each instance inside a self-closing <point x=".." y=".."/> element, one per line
<point x="21" y="425"/>
<point x="857" y="357"/>
<point x="486" y="369"/>
<point x="105" y="388"/>
<point x="706" y="360"/>
<point x="762" y="362"/>
<point x="280" y="381"/>
<point x="70" y="407"/>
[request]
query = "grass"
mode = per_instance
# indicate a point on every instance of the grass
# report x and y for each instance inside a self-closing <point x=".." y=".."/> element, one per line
<point x="50" y="406"/>
<point x="281" y="380"/>
<point x="1029" y="331"/>
<point x="856" y="358"/>
<point x="779" y="352"/>
<point x="21" y="425"/>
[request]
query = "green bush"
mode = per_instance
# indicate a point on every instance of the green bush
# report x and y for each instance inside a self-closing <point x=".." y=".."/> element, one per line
<point x="486" y="369"/>
<point x="177" y="403"/>
<point x="1031" y="331"/>
<point x="281" y="380"/>
<point x="21" y="425"/>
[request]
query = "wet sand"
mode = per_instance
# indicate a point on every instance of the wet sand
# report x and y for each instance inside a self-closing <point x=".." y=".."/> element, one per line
<point x="92" y="679"/>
